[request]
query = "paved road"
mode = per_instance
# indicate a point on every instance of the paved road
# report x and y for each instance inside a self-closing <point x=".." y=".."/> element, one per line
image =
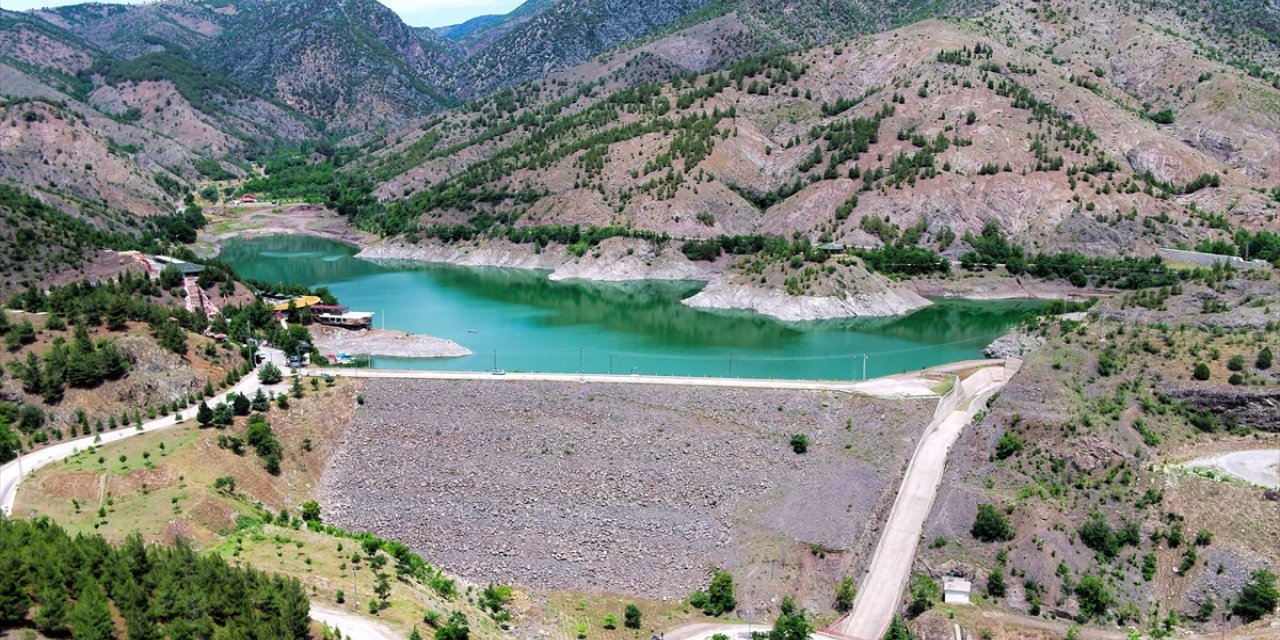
<point x="13" y="472"/>
<point x="880" y="592"/>
<point x="910" y="385"/>
<point x="1258" y="466"/>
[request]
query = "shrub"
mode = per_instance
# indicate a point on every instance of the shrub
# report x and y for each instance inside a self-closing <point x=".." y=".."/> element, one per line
<point x="455" y="629"/>
<point x="800" y="443"/>
<point x="924" y="593"/>
<point x="1264" y="359"/>
<point x="990" y="525"/>
<point x="1008" y="445"/>
<point x="845" y="593"/>
<point x="718" y="599"/>
<point x="270" y="374"/>
<point x="1236" y="363"/>
<point x="1258" y="598"/>
<point x="996" y="587"/>
<point x="631" y="617"/>
<point x="1097" y="534"/>
<point x="1093" y="596"/>
<point x="1201" y="371"/>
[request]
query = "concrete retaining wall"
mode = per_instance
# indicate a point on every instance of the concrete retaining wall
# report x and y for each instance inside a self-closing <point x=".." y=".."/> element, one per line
<point x="1202" y="259"/>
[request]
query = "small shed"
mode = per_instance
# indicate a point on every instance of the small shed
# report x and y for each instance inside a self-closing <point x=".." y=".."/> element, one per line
<point x="833" y="247"/>
<point x="955" y="590"/>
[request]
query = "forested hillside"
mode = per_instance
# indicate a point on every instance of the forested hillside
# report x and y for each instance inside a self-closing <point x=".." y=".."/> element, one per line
<point x="87" y="588"/>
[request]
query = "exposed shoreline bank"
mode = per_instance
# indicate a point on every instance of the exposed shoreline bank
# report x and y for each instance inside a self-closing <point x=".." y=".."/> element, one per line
<point x="633" y="259"/>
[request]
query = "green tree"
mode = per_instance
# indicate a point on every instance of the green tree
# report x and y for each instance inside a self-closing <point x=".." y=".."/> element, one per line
<point x="260" y="402"/>
<point x="1201" y="371"/>
<point x="718" y="599"/>
<point x="791" y="624"/>
<point x="996" y="587"/>
<point x="1263" y="360"/>
<point x="1258" y="597"/>
<point x="311" y="511"/>
<point x="270" y="374"/>
<point x="1093" y="595"/>
<point x="204" y="415"/>
<point x="898" y="631"/>
<point x="10" y="444"/>
<point x="990" y="525"/>
<point x="455" y="628"/>
<point x="240" y="405"/>
<point x="51" y="617"/>
<point x="14" y="600"/>
<point x="631" y="616"/>
<point x="173" y="338"/>
<point x="90" y="617"/>
<point x="924" y="594"/>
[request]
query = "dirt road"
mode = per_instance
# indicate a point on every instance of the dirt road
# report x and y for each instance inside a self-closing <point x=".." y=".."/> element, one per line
<point x="1258" y="466"/>
<point x="351" y="625"/>
<point x="881" y="589"/>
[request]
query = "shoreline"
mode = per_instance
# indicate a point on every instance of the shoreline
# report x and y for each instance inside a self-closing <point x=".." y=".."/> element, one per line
<point x="635" y="260"/>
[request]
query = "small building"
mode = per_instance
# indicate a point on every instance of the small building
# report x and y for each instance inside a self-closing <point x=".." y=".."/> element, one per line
<point x="833" y="247"/>
<point x="349" y="320"/>
<point x="955" y="590"/>
<point x="183" y="267"/>
<point x="248" y="198"/>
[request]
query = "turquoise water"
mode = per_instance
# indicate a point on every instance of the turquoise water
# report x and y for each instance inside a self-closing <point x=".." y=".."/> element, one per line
<point x="522" y="321"/>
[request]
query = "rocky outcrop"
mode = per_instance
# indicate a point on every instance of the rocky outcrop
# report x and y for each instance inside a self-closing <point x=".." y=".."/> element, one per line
<point x="622" y="259"/>
<point x="496" y="254"/>
<point x="1254" y="408"/>
<point x="781" y="305"/>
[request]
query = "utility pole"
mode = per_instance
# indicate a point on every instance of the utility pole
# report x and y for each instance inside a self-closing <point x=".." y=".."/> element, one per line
<point x="731" y="375"/>
<point x="495" y="359"/>
<point x="611" y="364"/>
<point x="355" y="588"/>
<point x="579" y="360"/>
<point x="864" y="367"/>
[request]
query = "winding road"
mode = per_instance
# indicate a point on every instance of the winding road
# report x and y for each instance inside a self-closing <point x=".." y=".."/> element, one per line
<point x="11" y="474"/>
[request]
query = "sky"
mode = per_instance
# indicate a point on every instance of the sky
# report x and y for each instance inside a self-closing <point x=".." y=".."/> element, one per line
<point x="417" y="13"/>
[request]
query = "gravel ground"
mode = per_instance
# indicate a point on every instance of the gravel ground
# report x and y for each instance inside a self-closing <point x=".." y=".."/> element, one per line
<point x="619" y="488"/>
<point x="384" y="342"/>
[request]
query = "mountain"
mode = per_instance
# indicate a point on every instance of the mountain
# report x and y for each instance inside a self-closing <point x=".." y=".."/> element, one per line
<point x="481" y="28"/>
<point x="1110" y="141"/>
<point x="349" y="63"/>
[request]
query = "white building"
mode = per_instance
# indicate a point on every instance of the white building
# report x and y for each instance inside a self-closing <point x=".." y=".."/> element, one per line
<point x="955" y="590"/>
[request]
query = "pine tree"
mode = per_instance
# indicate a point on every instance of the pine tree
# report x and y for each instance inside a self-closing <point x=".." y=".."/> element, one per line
<point x="91" y="617"/>
<point x="204" y="415"/>
<point x="14" y="600"/>
<point x="51" y="617"/>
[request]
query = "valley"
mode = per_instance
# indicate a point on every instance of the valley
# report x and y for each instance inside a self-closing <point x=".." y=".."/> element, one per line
<point x="597" y="320"/>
